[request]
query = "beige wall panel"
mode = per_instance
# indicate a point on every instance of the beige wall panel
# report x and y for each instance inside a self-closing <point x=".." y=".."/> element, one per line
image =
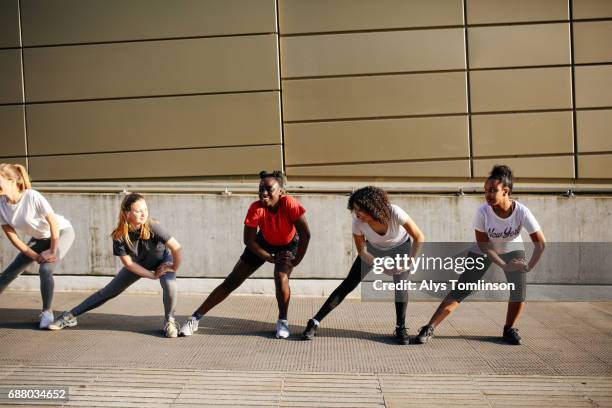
<point x="397" y="51"/>
<point x="521" y="89"/>
<point x="595" y="166"/>
<point x="529" y="167"/>
<point x="429" y="169"/>
<point x="594" y="130"/>
<point x="592" y="42"/>
<point x="522" y="45"/>
<point x="12" y="131"/>
<point x="14" y="160"/>
<point x="592" y="8"/>
<point x="10" y="76"/>
<point x="169" y="163"/>
<point x="83" y="21"/>
<point x="593" y="86"/>
<point x="373" y="140"/>
<point x="154" y="123"/>
<point x="151" y="68"/>
<point x="375" y="96"/>
<point x="313" y="16"/>
<point x="9" y="23"/>
<point x="522" y="133"/>
<point x="504" y="11"/>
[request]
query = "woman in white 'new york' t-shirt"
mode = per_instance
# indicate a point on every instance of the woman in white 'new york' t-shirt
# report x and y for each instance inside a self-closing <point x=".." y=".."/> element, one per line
<point x="497" y="226"/>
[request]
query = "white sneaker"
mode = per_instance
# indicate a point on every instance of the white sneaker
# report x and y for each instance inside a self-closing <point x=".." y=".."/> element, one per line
<point x="171" y="329"/>
<point x="46" y="318"/>
<point x="189" y="327"/>
<point x="282" y="329"/>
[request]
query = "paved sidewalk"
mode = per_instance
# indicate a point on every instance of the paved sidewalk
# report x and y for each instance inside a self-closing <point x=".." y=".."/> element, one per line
<point x="117" y="355"/>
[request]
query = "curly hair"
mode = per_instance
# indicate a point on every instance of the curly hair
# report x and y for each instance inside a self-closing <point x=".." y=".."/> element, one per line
<point x="372" y="200"/>
<point x="503" y="174"/>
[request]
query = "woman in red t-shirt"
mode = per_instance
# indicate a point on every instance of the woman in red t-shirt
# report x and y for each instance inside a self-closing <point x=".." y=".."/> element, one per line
<point x="275" y="231"/>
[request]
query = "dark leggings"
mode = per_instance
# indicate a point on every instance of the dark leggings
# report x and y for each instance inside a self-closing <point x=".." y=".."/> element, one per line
<point x="121" y="282"/>
<point x="355" y="276"/>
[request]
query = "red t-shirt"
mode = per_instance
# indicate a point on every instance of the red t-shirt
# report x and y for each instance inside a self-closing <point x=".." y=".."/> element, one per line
<point x="277" y="228"/>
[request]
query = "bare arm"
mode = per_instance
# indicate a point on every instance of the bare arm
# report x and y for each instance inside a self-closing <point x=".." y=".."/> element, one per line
<point x="362" y="249"/>
<point x="249" y="237"/>
<point x="482" y="239"/>
<point x="11" y="234"/>
<point x="175" y="249"/>
<point x="49" y="254"/>
<point x="304" y="233"/>
<point x="417" y="237"/>
<point x="540" y="243"/>
<point x="135" y="268"/>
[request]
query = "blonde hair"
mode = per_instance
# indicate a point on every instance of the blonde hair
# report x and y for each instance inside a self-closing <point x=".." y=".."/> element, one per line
<point x="123" y="226"/>
<point x="16" y="172"/>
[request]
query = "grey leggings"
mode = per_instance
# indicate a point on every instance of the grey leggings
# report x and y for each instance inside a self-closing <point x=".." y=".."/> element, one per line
<point x="120" y="283"/>
<point x="22" y="261"/>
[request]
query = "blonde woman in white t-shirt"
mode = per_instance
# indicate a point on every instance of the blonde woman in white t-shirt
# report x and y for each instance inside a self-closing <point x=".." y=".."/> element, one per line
<point x="497" y="226"/>
<point x="27" y="211"/>
<point x="380" y="229"/>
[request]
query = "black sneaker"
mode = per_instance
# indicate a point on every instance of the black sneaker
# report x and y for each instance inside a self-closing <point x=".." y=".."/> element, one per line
<point x="425" y="334"/>
<point x="310" y="331"/>
<point x="401" y="335"/>
<point x="511" y="336"/>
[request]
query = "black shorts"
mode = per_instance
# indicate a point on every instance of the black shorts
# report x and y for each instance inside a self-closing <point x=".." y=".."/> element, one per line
<point x="518" y="278"/>
<point x="252" y="259"/>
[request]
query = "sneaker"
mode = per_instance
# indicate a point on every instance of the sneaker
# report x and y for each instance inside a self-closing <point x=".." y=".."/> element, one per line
<point x="46" y="318"/>
<point x="401" y="335"/>
<point x="311" y="330"/>
<point x="282" y="329"/>
<point x="66" y="319"/>
<point x="425" y="334"/>
<point x="189" y="327"/>
<point x="511" y="336"/>
<point x="171" y="328"/>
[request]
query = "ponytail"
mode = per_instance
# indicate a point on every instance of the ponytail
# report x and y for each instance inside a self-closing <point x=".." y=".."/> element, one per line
<point x="18" y="173"/>
<point x="24" y="179"/>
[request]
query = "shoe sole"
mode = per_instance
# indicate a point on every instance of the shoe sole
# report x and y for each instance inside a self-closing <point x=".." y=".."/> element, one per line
<point x="55" y="328"/>
<point x="281" y="337"/>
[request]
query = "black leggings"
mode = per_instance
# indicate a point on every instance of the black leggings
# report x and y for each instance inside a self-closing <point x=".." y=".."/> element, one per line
<point x="355" y="276"/>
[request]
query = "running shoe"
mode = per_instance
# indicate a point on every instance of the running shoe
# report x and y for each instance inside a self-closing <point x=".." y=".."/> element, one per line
<point x="282" y="329"/>
<point x="189" y="327"/>
<point x="425" y="334"/>
<point x="46" y="318"/>
<point x="311" y="330"/>
<point x="511" y="336"/>
<point x="66" y="319"/>
<point x="401" y="335"/>
<point x="171" y="328"/>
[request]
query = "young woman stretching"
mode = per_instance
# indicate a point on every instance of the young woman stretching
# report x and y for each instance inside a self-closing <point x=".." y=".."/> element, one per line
<point x="146" y="251"/>
<point x="275" y="231"/>
<point x="380" y="229"/>
<point x="497" y="226"/>
<point x="27" y="211"/>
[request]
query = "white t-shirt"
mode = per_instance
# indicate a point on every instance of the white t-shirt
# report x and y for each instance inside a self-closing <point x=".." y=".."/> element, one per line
<point x="505" y="233"/>
<point x="396" y="234"/>
<point x="28" y="215"/>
